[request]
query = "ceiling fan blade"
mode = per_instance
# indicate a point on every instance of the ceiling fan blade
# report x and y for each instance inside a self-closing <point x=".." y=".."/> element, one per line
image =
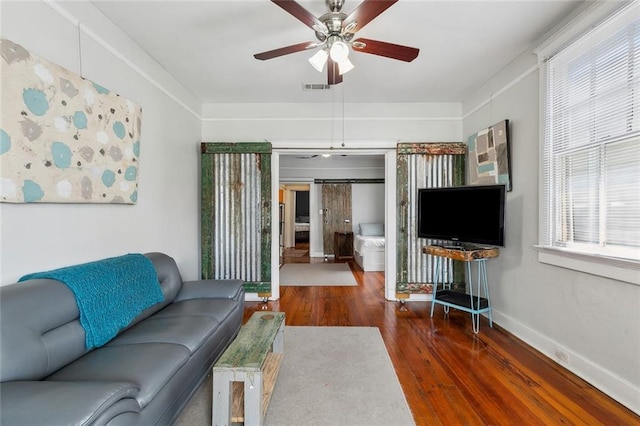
<point x="366" y="12"/>
<point x="302" y="14"/>
<point x="333" y="73"/>
<point x="382" y="48"/>
<point x="285" y="50"/>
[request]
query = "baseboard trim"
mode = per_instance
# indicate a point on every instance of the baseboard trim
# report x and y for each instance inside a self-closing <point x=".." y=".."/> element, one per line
<point x="320" y="254"/>
<point x="621" y="390"/>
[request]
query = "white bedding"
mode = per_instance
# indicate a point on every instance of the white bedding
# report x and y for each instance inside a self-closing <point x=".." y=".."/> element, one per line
<point x="301" y="227"/>
<point x="360" y="243"/>
<point x="369" y="252"/>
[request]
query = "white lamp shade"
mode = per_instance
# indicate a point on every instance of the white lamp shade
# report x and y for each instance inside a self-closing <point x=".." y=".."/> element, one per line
<point x="345" y="66"/>
<point x="339" y="51"/>
<point x="319" y="59"/>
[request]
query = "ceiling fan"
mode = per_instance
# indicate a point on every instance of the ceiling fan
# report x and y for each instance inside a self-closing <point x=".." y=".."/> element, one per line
<point x="334" y="31"/>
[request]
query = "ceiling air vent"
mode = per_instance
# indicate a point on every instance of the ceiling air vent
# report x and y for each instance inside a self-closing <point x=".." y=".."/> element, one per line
<point x="315" y="86"/>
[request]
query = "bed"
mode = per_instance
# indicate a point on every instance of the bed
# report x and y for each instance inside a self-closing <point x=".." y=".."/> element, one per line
<point x="302" y="231"/>
<point x="369" y="247"/>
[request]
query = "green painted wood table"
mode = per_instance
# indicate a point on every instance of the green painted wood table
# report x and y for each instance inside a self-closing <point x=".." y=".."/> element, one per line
<point x="245" y="374"/>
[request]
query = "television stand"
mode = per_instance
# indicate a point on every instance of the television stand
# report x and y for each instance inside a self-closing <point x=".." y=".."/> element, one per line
<point x="475" y="305"/>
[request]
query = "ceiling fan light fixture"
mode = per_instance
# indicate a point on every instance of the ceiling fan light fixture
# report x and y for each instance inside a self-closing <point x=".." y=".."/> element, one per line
<point x="339" y="51"/>
<point x="319" y="59"/>
<point x="345" y="66"/>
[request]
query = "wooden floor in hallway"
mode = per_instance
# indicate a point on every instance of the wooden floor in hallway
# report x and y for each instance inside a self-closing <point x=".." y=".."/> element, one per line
<point x="449" y="375"/>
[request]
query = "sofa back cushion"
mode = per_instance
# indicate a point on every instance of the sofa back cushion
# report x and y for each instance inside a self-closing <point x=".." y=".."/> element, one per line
<point x="170" y="283"/>
<point x="40" y="329"/>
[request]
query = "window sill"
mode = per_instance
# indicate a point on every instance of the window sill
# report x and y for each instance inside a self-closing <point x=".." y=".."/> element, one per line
<point x="617" y="269"/>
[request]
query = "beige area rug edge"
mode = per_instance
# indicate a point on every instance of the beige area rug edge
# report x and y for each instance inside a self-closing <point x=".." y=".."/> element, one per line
<point x="330" y="376"/>
<point x="316" y="274"/>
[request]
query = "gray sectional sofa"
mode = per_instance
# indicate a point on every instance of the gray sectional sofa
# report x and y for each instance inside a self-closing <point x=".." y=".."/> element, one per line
<point x="143" y="376"/>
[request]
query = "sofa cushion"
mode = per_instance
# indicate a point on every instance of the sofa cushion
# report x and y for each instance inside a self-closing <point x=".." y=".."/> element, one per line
<point x="39" y="329"/>
<point x="189" y="331"/>
<point x="149" y="366"/>
<point x="170" y="283"/>
<point x="109" y="293"/>
<point x="63" y="403"/>
<point x="222" y="289"/>
<point x="219" y="309"/>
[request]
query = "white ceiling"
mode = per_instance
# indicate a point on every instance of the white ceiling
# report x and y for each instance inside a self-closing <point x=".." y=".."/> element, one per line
<point x="208" y="46"/>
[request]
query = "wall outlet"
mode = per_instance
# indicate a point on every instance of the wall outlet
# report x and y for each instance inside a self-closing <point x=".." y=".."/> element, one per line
<point x="562" y="356"/>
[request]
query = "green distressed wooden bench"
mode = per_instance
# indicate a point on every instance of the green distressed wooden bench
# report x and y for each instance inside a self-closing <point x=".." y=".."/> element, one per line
<point x="245" y="374"/>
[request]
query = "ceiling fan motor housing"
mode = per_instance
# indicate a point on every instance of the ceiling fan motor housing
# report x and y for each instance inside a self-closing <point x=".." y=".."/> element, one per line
<point x="334" y="5"/>
<point x="333" y="21"/>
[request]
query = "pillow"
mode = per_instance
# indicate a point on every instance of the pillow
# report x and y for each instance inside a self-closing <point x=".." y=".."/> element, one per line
<point x="372" y="229"/>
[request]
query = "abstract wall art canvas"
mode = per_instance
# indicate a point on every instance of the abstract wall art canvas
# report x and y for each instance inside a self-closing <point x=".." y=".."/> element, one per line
<point x="489" y="156"/>
<point x="63" y="138"/>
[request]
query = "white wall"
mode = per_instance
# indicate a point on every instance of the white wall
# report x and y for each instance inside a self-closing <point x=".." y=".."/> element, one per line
<point x="367" y="204"/>
<point x="324" y="125"/>
<point x="594" y="320"/>
<point x="38" y="236"/>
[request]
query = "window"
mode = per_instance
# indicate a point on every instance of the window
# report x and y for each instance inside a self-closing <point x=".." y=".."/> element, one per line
<point x="591" y="157"/>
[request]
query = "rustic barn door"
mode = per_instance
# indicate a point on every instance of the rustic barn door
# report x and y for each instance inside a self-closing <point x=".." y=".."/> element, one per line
<point x="336" y="209"/>
<point x="236" y="213"/>
<point x="428" y="165"/>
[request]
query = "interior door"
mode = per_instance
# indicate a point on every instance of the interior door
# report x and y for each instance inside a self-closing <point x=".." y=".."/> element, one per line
<point x="236" y="213"/>
<point x="336" y="210"/>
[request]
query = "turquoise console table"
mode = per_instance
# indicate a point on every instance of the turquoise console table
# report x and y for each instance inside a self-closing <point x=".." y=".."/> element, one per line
<point x="472" y="303"/>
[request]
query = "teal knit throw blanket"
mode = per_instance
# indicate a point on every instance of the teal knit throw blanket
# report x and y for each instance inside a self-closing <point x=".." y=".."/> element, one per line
<point x="109" y="293"/>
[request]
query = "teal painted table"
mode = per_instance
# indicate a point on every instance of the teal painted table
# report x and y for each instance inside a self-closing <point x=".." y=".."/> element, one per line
<point x="245" y="374"/>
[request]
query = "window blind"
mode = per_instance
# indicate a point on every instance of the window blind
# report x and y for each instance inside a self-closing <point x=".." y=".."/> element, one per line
<point x="591" y="161"/>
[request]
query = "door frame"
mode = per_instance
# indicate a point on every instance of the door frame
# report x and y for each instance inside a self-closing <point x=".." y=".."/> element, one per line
<point x="390" y="213"/>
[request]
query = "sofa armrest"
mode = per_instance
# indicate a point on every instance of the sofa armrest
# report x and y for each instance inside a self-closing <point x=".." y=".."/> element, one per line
<point x="221" y="289"/>
<point x="64" y="403"/>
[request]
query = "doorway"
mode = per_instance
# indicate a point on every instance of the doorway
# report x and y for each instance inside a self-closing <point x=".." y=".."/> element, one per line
<point x="295" y="221"/>
<point x="302" y="217"/>
<point x="299" y="168"/>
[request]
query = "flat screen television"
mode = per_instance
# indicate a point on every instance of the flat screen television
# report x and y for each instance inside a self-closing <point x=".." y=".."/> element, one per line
<point x="462" y="214"/>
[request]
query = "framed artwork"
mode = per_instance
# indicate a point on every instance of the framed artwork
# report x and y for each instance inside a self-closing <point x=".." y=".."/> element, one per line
<point x="490" y="156"/>
<point x="63" y="138"/>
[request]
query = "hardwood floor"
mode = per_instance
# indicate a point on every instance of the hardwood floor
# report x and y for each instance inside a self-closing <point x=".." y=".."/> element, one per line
<point x="449" y="375"/>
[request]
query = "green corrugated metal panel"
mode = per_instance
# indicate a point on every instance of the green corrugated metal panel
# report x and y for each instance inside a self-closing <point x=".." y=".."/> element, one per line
<point x="258" y="286"/>
<point x="432" y="148"/>
<point x="459" y="179"/>
<point x="422" y="166"/>
<point x="207" y="206"/>
<point x="236" y="213"/>
<point x="235" y="148"/>
<point x="265" y="243"/>
<point x="402" y="232"/>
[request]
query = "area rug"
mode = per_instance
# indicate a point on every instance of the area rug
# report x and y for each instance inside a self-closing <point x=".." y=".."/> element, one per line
<point x="329" y="376"/>
<point x="309" y="274"/>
